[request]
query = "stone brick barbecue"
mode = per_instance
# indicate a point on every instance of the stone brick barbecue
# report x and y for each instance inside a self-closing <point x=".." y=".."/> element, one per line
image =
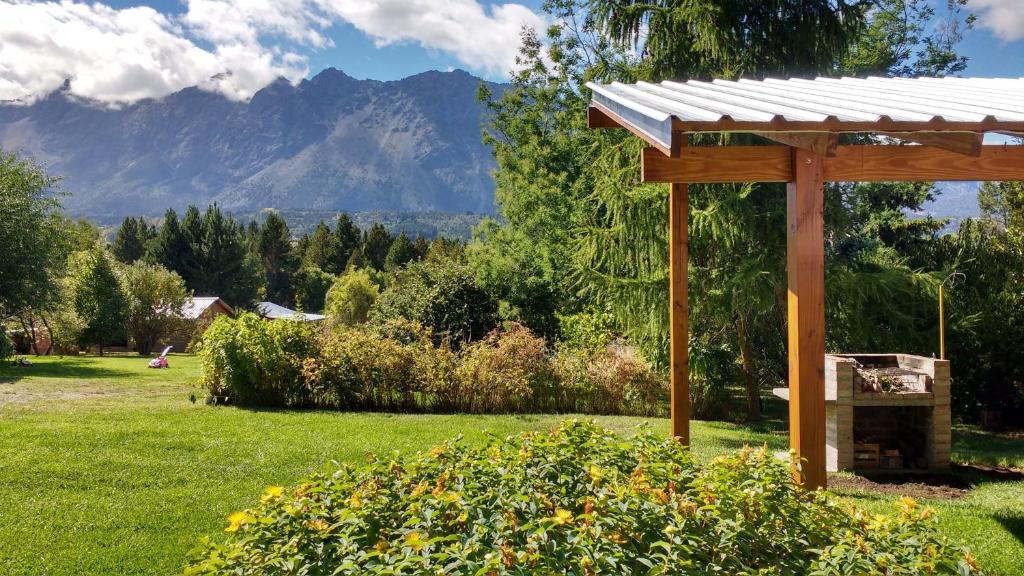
<point x="885" y="411"/>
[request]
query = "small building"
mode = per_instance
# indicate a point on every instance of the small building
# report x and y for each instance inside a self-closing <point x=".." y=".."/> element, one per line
<point x="197" y="313"/>
<point x="272" y="311"/>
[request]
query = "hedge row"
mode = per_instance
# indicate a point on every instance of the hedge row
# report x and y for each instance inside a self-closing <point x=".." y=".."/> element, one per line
<point x="577" y="501"/>
<point x="252" y="361"/>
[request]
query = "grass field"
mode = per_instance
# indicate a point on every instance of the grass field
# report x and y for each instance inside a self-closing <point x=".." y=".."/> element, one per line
<point x="109" y="468"/>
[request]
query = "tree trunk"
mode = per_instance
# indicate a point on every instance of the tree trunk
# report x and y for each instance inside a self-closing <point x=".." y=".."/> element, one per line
<point x="49" y="332"/>
<point x="753" y="390"/>
<point x="30" y="334"/>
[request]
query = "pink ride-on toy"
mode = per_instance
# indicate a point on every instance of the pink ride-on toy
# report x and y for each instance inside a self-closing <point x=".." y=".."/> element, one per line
<point x="161" y="360"/>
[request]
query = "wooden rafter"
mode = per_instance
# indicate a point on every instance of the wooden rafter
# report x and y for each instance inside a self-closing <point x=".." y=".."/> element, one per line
<point x="850" y="164"/>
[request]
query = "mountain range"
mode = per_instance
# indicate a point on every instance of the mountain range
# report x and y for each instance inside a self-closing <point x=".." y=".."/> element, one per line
<point x="331" y="142"/>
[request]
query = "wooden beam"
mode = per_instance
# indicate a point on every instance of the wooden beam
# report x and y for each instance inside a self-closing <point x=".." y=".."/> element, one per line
<point x="598" y="119"/>
<point x="968" y="143"/>
<point x="821" y="143"/>
<point x="679" y="312"/>
<point x="718" y="164"/>
<point x="850" y="164"/>
<point x="923" y="163"/>
<point x="805" y="267"/>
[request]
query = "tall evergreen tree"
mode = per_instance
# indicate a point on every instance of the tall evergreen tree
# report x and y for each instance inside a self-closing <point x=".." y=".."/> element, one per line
<point x="376" y="245"/>
<point x="401" y="253"/>
<point x="356" y="261"/>
<point x="226" y="270"/>
<point x="131" y="239"/>
<point x="321" y="250"/>
<point x="348" y="237"/>
<point x="276" y="257"/>
<point x="170" y="247"/>
<point x="421" y="245"/>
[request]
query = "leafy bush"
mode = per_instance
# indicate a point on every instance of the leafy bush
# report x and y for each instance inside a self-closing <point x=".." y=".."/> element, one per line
<point x="256" y="361"/>
<point x="351" y="296"/>
<point x="610" y="381"/>
<point x="442" y="296"/>
<point x="577" y="501"/>
<point x="358" y="369"/>
<point x="508" y="371"/>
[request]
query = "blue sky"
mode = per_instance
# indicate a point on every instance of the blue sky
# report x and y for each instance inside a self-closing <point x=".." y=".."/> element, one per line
<point x="123" y="50"/>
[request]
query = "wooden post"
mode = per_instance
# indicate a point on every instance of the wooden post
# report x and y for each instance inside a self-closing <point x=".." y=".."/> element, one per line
<point x="805" y="263"/>
<point x="679" y="312"/>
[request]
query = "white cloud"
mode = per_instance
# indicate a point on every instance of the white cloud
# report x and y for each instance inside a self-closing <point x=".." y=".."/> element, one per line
<point x="123" y="55"/>
<point x="482" y="38"/>
<point x="1004" y="17"/>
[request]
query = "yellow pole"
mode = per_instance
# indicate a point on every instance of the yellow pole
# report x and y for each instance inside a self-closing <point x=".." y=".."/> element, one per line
<point x="942" y="323"/>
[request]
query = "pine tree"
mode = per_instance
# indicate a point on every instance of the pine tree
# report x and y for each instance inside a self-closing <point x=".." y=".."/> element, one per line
<point x="277" y="260"/>
<point x="130" y="241"/>
<point x="171" y="248"/>
<point x="321" y="250"/>
<point x="348" y="237"/>
<point x="401" y="253"/>
<point x="226" y="270"/>
<point x="376" y="245"/>
<point x="422" y="246"/>
<point x="190" y="265"/>
<point x="357" y="261"/>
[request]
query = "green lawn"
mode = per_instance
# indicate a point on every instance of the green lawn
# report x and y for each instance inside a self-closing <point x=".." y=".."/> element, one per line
<point x="107" y="467"/>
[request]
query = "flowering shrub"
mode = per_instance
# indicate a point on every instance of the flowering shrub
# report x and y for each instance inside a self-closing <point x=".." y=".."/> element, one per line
<point x="358" y="369"/>
<point x="509" y="370"/>
<point x="577" y="501"/>
<point x="254" y="361"/>
<point x="397" y="366"/>
<point x="610" y="381"/>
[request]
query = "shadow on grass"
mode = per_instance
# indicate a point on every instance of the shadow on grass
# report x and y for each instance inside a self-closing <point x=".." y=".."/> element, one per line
<point x="63" y="368"/>
<point x="1013" y="524"/>
<point x="987" y="447"/>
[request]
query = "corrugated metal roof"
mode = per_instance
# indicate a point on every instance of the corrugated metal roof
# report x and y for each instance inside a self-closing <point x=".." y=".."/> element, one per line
<point x="278" y="312"/>
<point x="823" y="104"/>
<point x="194" y="307"/>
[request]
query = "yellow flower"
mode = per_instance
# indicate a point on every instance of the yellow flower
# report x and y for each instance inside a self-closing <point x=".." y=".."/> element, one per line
<point x="271" y="493"/>
<point x="239" y="519"/>
<point x="595" y="474"/>
<point x="318" y="524"/>
<point x="419" y="490"/>
<point x="562" y="516"/>
<point x="354" y="501"/>
<point x="414" y="540"/>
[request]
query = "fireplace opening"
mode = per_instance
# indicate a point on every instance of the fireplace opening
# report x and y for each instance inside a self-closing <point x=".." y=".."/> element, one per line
<point x="891" y="437"/>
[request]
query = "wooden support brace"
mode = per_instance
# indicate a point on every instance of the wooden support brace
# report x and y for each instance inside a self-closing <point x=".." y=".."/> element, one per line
<point x="679" y="311"/>
<point x="805" y="267"/>
<point x="821" y="143"/>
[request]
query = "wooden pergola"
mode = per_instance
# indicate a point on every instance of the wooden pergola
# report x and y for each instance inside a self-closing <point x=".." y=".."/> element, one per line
<point x="944" y="120"/>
